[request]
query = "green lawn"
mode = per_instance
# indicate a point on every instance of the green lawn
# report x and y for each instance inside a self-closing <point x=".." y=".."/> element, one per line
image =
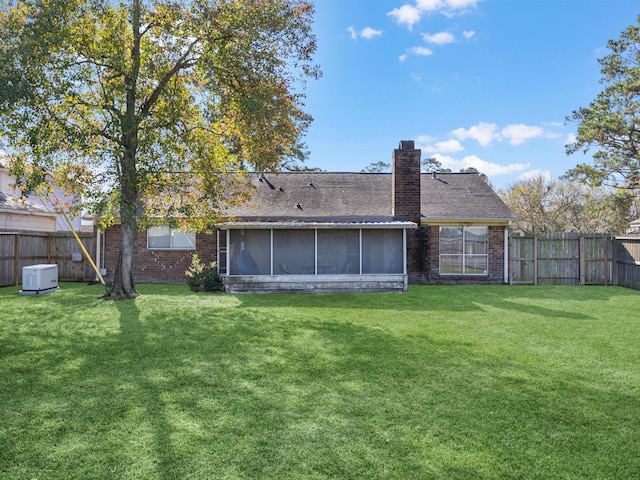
<point x="445" y="382"/>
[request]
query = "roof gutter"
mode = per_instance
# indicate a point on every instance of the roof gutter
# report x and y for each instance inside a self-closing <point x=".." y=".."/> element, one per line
<point x="466" y="221"/>
<point x="318" y="225"/>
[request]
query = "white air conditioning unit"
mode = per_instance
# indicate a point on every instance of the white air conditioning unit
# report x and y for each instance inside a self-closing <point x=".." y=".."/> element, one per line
<point x="39" y="279"/>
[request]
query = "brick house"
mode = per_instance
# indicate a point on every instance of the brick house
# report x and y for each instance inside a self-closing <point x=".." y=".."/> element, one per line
<point x="334" y="232"/>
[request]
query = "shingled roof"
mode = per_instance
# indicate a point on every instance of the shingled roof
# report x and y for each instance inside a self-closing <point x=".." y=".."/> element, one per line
<point x="366" y="197"/>
<point x="461" y="197"/>
<point x="319" y="196"/>
<point x="12" y="204"/>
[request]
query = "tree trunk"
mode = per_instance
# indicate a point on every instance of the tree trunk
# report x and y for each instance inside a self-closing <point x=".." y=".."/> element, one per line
<point x="123" y="284"/>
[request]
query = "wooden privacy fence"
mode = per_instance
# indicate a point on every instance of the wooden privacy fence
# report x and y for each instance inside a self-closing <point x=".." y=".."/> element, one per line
<point x="628" y="262"/>
<point x="19" y="250"/>
<point x="574" y="259"/>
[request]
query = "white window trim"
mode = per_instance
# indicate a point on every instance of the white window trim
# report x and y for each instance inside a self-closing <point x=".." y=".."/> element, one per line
<point x="171" y="247"/>
<point x="464" y="255"/>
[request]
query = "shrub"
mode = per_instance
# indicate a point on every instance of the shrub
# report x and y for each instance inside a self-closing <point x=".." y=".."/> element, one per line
<point x="203" y="277"/>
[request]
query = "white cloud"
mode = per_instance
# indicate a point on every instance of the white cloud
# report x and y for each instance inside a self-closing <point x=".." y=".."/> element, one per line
<point x="488" y="168"/>
<point x="569" y="139"/>
<point x="428" y="5"/>
<point x="419" y="51"/>
<point x="520" y="133"/>
<point x="461" y="4"/>
<point x="468" y="34"/>
<point x="409" y="14"/>
<point x="486" y="133"/>
<point x="369" y="33"/>
<point x="483" y="133"/>
<point x="422" y="141"/>
<point x="406" y="15"/>
<point x="545" y="174"/>
<point x="448" y="146"/>
<point x="440" y="38"/>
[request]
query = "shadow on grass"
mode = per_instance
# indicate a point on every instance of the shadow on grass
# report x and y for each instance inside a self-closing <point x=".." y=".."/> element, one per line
<point x="239" y="393"/>
<point x="420" y="298"/>
<point x="468" y="298"/>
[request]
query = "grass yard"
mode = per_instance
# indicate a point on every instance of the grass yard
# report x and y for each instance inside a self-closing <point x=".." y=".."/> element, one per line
<point x="445" y="382"/>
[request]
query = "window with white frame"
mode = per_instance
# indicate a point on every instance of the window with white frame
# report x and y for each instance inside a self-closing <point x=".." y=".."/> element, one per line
<point x="165" y="238"/>
<point x="464" y="250"/>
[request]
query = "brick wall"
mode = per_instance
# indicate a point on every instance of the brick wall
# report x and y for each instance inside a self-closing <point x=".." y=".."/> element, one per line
<point x="496" y="254"/>
<point x="418" y="258"/>
<point x="405" y="195"/>
<point x="157" y="266"/>
<point x="406" y="182"/>
<point x="496" y="260"/>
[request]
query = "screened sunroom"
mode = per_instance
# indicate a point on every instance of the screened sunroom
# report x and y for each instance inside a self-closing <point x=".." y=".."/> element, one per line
<point x="322" y="257"/>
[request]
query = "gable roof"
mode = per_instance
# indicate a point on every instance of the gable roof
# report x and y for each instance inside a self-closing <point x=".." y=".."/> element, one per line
<point x="367" y="197"/>
<point x="464" y="197"/>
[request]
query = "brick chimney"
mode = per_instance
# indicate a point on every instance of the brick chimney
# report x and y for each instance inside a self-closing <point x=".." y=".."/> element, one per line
<point x="406" y="182"/>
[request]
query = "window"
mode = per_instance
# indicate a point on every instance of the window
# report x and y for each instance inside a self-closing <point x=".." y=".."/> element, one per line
<point x="165" y="238"/>
<point x="464" y="250"/>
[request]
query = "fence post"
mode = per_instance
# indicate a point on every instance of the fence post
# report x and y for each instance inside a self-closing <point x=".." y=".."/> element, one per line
<point x="535" y="259"/>
<point x="581" y="260"/>
<point x="605" y="260"/>
<point x="614" y="276"/>
<point x="16" y="258"/>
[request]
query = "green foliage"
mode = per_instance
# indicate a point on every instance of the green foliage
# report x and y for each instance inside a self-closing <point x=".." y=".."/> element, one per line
<point x="609" y="124"/>
<point x="203" y="277"/>
<point x="377" y="167"/>
<point x="432" y="164"/>
<point x="153" y="109"/>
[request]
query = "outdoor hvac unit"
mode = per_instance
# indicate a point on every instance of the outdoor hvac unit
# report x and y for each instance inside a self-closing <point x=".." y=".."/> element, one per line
<point x="39" y="279"/>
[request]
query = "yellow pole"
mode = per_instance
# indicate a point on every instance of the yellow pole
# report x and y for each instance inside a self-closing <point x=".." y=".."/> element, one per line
<point x="86" y="254"/>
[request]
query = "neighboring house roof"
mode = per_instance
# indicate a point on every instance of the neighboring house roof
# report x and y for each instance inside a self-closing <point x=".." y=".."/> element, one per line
<point x="367" y="197"/>
<point x="635" y="223"/>
<point x="12" y="204"/>
<point x="22" y="215"/>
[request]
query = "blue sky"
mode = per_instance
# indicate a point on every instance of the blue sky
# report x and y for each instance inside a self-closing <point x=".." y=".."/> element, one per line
<point x="480" y="83"/>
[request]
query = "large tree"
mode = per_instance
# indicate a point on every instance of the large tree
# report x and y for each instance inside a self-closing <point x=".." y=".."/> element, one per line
<point x="562" y="205"/>
<point x="610" y="126"/>
<point x="152" y="109"/>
